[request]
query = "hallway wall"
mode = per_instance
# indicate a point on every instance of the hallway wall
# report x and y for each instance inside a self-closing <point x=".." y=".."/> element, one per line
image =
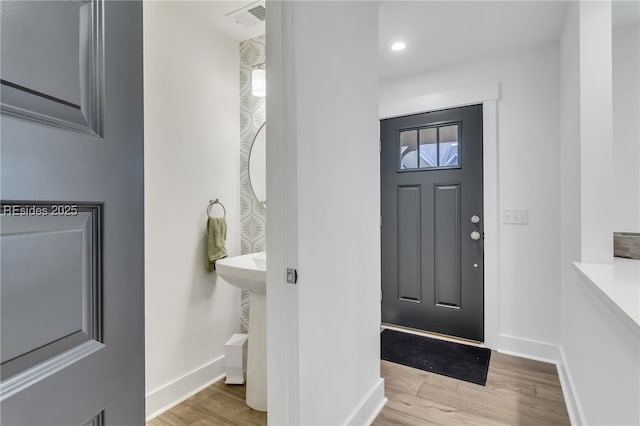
<point x="323" y="341"/>
<point x="192" y="144"/>
<point x="593" y="333"/>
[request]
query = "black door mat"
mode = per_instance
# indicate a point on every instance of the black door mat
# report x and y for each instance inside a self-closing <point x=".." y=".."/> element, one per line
<point x="463" y="362"/>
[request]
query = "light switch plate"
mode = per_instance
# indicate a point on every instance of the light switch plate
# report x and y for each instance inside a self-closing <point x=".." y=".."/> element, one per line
<point x="515" y="216"/>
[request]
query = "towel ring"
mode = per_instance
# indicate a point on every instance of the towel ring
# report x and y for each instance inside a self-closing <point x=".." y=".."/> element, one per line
<point x="211" y="203"/>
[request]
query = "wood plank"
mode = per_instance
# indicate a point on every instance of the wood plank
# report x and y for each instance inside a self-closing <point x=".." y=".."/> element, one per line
<point x="219" y="404"/>
<point x="391" y="416"/>
<point x="401" y="378"/>
<point x="518" y="392"/>
<point x="438" y="413"/>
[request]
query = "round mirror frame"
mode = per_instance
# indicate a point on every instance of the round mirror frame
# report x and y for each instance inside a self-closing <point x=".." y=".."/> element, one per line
<point x="253" y="191"/>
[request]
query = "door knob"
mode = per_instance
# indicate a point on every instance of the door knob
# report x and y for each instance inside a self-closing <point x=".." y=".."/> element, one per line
<point x="475" y="235"/>
<point x="475" y="219"/>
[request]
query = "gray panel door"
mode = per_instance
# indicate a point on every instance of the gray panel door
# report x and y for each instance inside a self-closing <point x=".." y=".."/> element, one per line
<point x="432" y="238"/>
<point x="71" y="224"/>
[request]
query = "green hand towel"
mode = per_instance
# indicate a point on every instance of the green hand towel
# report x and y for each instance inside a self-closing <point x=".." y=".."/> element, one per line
<point x="216" y="236"/>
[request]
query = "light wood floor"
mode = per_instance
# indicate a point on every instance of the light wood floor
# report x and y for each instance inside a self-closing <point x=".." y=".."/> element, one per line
<point x="219" y="404"/>
<point x="518" y="392"/>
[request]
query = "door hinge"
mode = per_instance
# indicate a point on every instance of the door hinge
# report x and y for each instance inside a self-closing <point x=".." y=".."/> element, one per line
<point x="381" y="295"/>
<point x="292" y="276"/>
<point x="379" y="146"/>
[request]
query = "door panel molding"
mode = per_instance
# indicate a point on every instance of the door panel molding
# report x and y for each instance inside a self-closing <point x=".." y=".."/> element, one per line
<point x="58" y="257"/>
<point x="408" y="232"/>
<point x="446" y="268"/>
<point x="80" y="112"/>
<point x="38" y="372"/>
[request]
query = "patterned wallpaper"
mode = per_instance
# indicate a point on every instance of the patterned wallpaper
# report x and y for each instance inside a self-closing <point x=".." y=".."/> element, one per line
<point x="252" y="115"/>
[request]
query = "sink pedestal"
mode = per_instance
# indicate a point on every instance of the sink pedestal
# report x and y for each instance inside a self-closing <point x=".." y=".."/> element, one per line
<point x="249" y="272"/>
<point x="257" y="352"/>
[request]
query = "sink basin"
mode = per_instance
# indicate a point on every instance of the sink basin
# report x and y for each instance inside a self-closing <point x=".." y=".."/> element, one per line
<point x="248" y="272"/>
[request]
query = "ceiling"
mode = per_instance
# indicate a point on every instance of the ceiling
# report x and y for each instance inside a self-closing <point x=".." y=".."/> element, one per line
<point x="439" y="33"/>
<point x="214" y="13"/>
<point x="444" y="33"/>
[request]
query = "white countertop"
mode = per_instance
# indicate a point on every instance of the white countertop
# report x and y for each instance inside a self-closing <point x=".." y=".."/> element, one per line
<point x="618" y="283"/>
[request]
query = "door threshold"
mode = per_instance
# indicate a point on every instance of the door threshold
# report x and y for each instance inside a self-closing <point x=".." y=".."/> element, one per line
<point x="433" y="335"/>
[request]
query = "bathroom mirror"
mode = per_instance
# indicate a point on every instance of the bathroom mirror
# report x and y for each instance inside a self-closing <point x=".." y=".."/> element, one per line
<point x="258" y="165"/>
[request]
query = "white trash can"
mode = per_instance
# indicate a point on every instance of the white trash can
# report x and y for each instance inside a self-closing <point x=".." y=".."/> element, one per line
<point x="235" y="359"/>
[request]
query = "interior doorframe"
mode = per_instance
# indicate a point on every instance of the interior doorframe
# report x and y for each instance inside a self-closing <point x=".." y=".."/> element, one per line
<point x="488" y="96"/>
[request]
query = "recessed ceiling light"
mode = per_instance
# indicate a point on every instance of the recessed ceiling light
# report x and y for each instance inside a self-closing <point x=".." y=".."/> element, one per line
<point x="397" y="46"/>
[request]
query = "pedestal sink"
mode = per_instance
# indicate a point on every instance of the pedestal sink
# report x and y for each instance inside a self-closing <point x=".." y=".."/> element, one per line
<point x="249" y="272"/>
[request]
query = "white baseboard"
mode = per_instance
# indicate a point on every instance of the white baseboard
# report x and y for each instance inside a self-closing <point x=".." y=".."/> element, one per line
<point x="369" y="407"/>
<point x="576" y="415"/>
<point x="160" y="400"/>
<point x="526" y="348"/>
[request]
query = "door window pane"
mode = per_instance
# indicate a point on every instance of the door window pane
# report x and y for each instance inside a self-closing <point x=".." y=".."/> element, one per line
<point x="429" y="147"/>
<point x="408" y="149"/>
<point x="448" y="146"/>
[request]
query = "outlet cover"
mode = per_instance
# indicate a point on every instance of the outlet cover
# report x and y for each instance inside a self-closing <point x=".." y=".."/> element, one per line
<point x="515" y="216"/>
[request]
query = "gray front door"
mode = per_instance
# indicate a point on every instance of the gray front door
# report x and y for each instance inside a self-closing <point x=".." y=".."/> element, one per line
<point x="71" y="224"/>
<point x="432" y="240"/>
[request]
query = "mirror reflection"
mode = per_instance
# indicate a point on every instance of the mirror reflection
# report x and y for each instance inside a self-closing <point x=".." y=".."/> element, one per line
<point x="257" y="165"/>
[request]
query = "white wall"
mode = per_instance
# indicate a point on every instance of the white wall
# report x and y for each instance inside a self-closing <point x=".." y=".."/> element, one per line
<point x="596" y="132"/>
<point x="601" y="357"/>
<point x="600" y="366"/>
<point x="191" y="156"/>
<point x="570" y="195"/>
<point x="326" y="367"/>
<point x="626" y="127"/>
<point x="528" y="174"/>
